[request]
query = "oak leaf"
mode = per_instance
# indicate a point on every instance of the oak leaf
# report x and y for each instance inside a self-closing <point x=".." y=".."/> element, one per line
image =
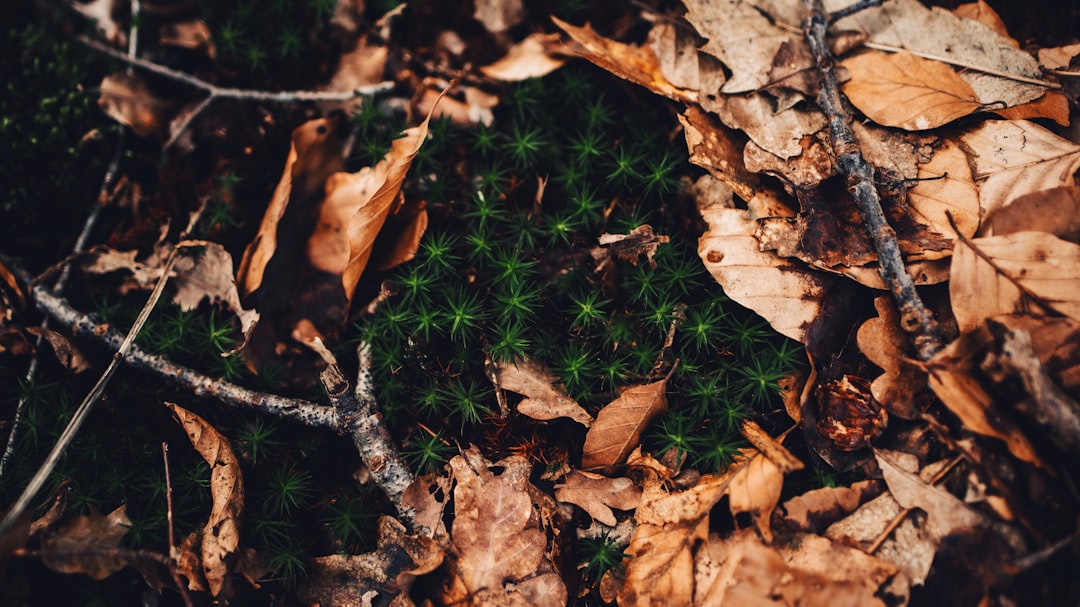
<point x="221" y="533"/>
<point x="597" y="494"/>
<point x="620" y="424"/>
<point x="907" y="91"/>
<point x="543" y="401"/>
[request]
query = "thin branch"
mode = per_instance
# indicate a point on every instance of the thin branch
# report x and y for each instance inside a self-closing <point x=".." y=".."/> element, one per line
<point x="86" y="405"/>
<point x="916" y="319"/>
<point x="835" y="16"/>
<point x="358" y="413"/>
<point x="235" y="93"/>
<point x="970" y="66"/>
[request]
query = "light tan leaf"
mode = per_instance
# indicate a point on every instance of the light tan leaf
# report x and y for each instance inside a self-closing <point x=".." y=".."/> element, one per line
<point x="669" y="527"/>
<point x="1015" y="157"/>
<point x="497" y="545"/>
<point x="363" y="66"/>
<point x="125" y="98"/>
<point x="89" y="544"/>
<point x="598" y="494"/>
<point x="1017" y="273"/>
<point x="637" y="64"/>
<point x="1059" y="57"/>
<point x="906" y="91"/>
<point x="982" y="12"/>
<point x="533" y="57"/>
<point x="314" y="155"/>
<point x="814" y="510"/>
<point x="946" y="513"/>
<point x="543" y="401"/>
<point x="770" y="447"/>
<point x="954" y="377"/>
<point x="498" y="15"/>
<point x="677" y="50"/>
<point x="356" y="207"/>
<point x="912" y="26"/>
<point x="101" y="13"/>
<point x="221" y="534"/>
<point x="620" y="424"/>
<point x="782" y="291"/>
<point x="1054" y="211"/>
<point x="755" y="488"/>
<point x="945" y="186"/>
<point x="741" y="36"/>
<point x="1053" y="105"/>
<point x="810" y="571"/>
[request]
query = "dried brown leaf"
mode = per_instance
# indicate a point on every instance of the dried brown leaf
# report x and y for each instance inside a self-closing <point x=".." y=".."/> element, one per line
<point x="66" y="353"/>
<point x="193" y="34"/>
<point x="1016" y="157"/>
<point x="208" y="274"/>
<point x="1054" y="211"/>
<point x="221" y="534"/>
<point x="499" y="15"/>
<point x="755" y="488"/>
<point x="982" y="12"/>
<point x="620" y="424"/>
<point x="662" y="550"/>
<point x="89" y="544"/>
<point x="816" y="509"/>
<point x="906" y="91"/>
<point x="719" y="150"/>
<point x="741" y="36"/>
<point x="543" y="400"/>
<point x="628" y="247"/>
<point x="778" y="131"/>
<point x="533" y="57"/>
<point x="1021" y="272"/>
<point x="638" y="64"/>
<point x="127" y="100"/>
<point x="497" y="545"/>
<point x="882" y="341"/>
<point x="784" y="292"/>
<point x="597" y="494"/>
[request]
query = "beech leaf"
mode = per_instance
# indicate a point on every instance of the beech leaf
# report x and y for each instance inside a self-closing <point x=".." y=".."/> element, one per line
<point x="906" y="91"/>
<point x="1014" y="273"/>
<point x="620" y="424"/>
<point x="221" y="533"/>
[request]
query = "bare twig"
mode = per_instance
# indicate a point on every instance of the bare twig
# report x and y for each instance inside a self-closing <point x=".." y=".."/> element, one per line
<point x="915" y="318"/>
<point x="86" y="405"/>
<point x="970" y="66"/>
<point x="900" y="516"/>
<point x="358" y="412"/>
<point x="174" y="571"/>
<point x="218" y="92"/>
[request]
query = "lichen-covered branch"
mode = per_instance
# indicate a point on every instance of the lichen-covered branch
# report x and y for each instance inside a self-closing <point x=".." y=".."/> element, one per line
<point x="359" y="416"/>
<point x="915" y="318"/>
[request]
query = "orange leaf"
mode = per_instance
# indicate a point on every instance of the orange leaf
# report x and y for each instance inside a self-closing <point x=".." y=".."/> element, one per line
<point x="907" y="91"/>
<point x="619" y="425"/>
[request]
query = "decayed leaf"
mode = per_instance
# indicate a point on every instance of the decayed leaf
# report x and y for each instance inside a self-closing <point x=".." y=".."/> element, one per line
<point x="719" y="149"/>
<point x="906" y="91"/>
<point x="356" y="207"/>
<point x="954" y="377"/>
<point x="125" y="98"/>
<point x="533" y="57"/>
<point x="1016" y="157"/>
<point x="620" y="424"/>
<point x="741" y="36"/>
<point x="221" y="534"/>
<point x="598" y="494"/>
<point x="88" y="544"/>
<point x="387" y="574"/>
<point x="886" y="345"/>
<point x="637" y="64"/>
<point x="782" y="291"/>
<point x="1022" y="272"/>
<point x="669" y="528"/>
<point x="543" y="401"/>
<point x="497" y="545"/>
<point x="628" y="247"/>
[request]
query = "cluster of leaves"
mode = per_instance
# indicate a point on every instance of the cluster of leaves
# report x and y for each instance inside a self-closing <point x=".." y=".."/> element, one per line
<point x="506" y="273"/>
